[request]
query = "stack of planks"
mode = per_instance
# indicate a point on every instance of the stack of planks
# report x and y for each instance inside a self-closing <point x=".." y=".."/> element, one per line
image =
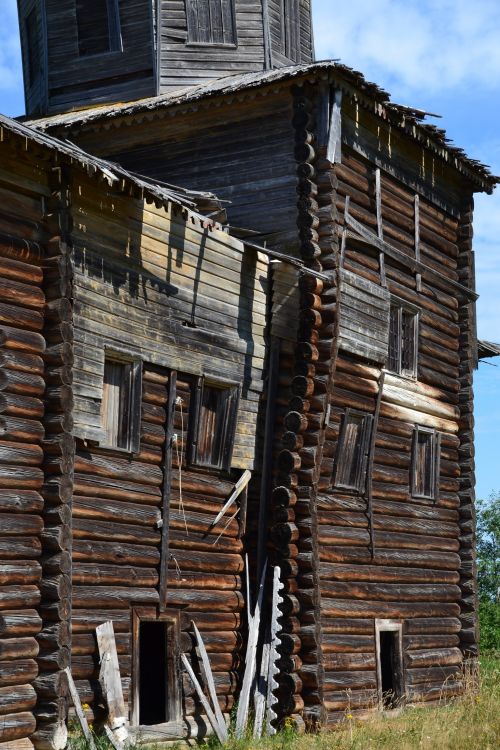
<point x="21" y="408"/>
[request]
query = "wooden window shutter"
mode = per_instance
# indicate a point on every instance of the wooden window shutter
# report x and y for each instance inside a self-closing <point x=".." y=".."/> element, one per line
<point x="425" y="463"/>
<point x="352" y="451"/>
<point x="213" y="424"/>
<point x="210" y="22"/>
<point x="121" y="403"/>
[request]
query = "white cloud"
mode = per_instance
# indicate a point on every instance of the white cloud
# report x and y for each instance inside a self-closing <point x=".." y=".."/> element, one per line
<point x="428" y="45"/>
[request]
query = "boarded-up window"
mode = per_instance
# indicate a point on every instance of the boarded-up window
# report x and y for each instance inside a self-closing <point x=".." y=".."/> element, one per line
<point x="98" y="23"/>
<point x="214" y="424"/>
<point x="352" y="451"/>
<point x="211" y="22"/>
<point x="33" y="46"/>
<point x="425" y="465"/>
<point x="403" y="339"/>
<point x="363" y="317"/>
<point x="121" y="404"/>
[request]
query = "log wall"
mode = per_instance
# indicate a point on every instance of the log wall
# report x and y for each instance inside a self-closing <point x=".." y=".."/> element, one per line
<point x="23" y="187"/>
<point x="184" y="296"/>
<point x="383" y="553"/>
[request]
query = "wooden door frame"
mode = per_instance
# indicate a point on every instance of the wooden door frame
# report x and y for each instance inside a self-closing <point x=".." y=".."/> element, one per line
<point x="174" y="687"/>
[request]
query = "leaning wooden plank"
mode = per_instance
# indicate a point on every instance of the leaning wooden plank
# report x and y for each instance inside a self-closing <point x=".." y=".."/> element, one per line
<point x="272" y="685"/>
<point x="79" y="710"/>
<point x="109" y="677"/>
<point x="238" y="489"/>
<point x="253" y="638"/>
<point x="209" y="682"/>
<point x="261" y="688"/>
<point x="201" y="695"/>
<point x="113" y="740"/>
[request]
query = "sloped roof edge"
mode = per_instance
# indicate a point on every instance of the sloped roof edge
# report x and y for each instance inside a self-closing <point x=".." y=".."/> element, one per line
<point x="111" y="172"/>
<point x="487" y="349"/>
<point x="408" y="119"/>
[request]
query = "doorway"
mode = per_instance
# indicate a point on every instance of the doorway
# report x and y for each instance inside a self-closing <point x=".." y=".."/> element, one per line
<point x="390" y="675"/>
<point x="155" y="672"/>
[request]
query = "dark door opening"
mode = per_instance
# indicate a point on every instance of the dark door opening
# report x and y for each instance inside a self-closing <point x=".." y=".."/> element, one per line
<point x="390" y="668"/>
<point x="153" y="673"/>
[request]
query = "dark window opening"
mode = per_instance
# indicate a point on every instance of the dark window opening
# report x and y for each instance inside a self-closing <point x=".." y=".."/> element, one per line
<point x="98" y="24"/>
<point x="390" y="668"/>
<point x="153" y="673"/>
<point x="403" y="340"/>
<point x="425" y="467"/>
<point x="290" y="29"/>
<point x="352" y="451"/>
<point x="214" y="425"/>
<point x="33" y="46"/>
<point x="121" y="404"/>
<point x="211" y="22"/>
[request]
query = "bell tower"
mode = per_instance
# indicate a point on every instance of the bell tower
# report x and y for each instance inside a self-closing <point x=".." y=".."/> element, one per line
<point x="81" y="53"/>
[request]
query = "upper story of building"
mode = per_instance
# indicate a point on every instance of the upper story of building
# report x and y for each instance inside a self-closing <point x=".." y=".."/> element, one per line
<point x="78" y="53"/>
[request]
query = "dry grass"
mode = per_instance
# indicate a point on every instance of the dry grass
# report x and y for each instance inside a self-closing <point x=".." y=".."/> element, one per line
<point x="471" y="722"/>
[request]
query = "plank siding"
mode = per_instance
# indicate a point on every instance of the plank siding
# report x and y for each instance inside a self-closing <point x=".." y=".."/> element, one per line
<point x="209" y="152"/>
<point x="156" y="285"/>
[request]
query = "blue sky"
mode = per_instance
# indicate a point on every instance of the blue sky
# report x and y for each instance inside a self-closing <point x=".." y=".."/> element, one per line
<point x="438" y="55"/>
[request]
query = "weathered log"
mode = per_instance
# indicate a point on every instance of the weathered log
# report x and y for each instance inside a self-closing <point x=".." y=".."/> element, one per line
<point x="17" y="672"/>
<point x="16" y="726"/>
<point x="14" y="699"/>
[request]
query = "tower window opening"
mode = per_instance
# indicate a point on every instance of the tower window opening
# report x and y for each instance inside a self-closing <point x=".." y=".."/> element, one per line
<point x="98" y="24"/>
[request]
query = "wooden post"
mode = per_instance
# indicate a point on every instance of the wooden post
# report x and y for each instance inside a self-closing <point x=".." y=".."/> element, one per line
<point x="167" y="491"/>
<point x="273" y="670"/>
<point x="266" y="476"/>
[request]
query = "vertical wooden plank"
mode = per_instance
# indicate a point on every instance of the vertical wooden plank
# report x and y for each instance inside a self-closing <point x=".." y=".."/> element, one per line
<point x="268" y="49"/>
<point x="371" y="461"/>
<point x="228" y="20"/>
<point x="253" y="637"/>
<point x="334" y="150"/>
<point x="274" y="655"/>
<point x="109" y="677"/>
<point x="167" y="487"/>
<point x="266" y="475"/>
<point x="380" y="226"/>
<point x="417" y="241"/>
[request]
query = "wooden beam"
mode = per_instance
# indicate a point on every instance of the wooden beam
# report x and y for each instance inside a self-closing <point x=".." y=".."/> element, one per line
<point x="167" y="490"/>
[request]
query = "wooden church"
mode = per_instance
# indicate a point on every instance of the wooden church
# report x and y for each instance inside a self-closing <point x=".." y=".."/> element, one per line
<point x="295" y="318"/>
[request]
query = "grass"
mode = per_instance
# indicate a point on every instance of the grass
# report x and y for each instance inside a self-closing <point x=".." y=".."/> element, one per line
<point x="471" y="722"/>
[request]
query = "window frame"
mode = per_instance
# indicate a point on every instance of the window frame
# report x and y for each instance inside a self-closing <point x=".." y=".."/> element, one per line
<point x="435" y="463"/>
<point x="404" y="307"/>
<point x="135" y="401"/>
<point x="229" y="429"/>
<point x="192" y="29"/>
<point x="290" y="29"/>
<point x="365" y="439"/>
<point x="115" y="40"/>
